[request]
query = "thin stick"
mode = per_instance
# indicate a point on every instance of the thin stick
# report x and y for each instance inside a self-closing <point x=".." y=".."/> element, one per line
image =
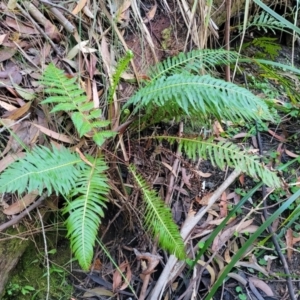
<point x="19" y="217"/>
<point x="46" y="254"/>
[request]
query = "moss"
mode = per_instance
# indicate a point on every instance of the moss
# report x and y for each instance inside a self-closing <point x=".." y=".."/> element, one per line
<point x="30" y="275"/>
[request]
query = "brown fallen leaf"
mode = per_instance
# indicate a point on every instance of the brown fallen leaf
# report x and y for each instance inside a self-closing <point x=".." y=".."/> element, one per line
<point x="226" y="234"/>
<point x="152" y="261"/>
<point x="210" y="271"/>
<point x="20" y="26"/>
<point x="9" y="159"/>
<point x="58" y="136"/>
<point x="17" y="113"/>
<point x="151" y="13"/>
<point x="98" y="291"/>
<point x="217" y="128"/>
<point x="7" y="53"/>
<point x="241" y="135"/>
<point x="80" y="5"/>
<point x="223" y="205"/>
<point x="118" y="279"/>
<point x="21" y="204"/>
<point x="261" y="285"/>
<point x="291" y="154"/>
<point x="276" y="136"/>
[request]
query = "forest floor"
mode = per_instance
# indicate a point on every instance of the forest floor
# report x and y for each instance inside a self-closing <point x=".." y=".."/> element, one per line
<point x="27" y="46"/>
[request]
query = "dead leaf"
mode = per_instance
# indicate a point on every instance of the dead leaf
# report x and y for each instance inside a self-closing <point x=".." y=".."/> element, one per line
<point x="227" y="257"/>
<point x="241" y="135"/>
<point x="12" y="4"/>
<point x="169" y="168"/>
<point x="238" y="278"/>
<point x="122" y="14"/>
<point x="58" y="136"/>
<point x="20" y="27"/>
<point x="291" y="154"/>
<point x="242" y="179"/>
<point x="223" y="205"/>
<point x="17" y="113"/>
<point x="80" y="5"/>
<point x="3" y="38"/>
<point x="26" y="132"/>
<point x="98" y="291"/>
<point x="7" y="53"/>
<point x="152" y="260"/>
<point x="210" y="271"/>
<point x="252" y="265"/>
<point x="276" y="136"/>
<point x="21" y="204"/>
<point x="226" y="234"/>
<point x="88" y="12"/>
<point x="201" y="174"/>
<point x="118" y="279"/>
<point x="261" y="285"/>
<point x="9" y="159"/>
<point x="217" y="128"/>
<point x="150" y="14"/>
<point x="97" y="265"/>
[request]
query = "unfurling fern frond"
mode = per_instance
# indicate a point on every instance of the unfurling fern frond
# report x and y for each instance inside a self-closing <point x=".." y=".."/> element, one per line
<point x="67" y="96"/>
<point x="225" y="153"/>
<point x="181" y="95"/>
<point x="197" y="60"/>
<point x="158" y="219"/>
<point x="86" y="210"/>
<point x="51" y="169"/>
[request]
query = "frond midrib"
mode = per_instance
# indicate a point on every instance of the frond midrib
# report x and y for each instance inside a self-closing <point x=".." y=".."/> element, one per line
<point x="41" y="172"/>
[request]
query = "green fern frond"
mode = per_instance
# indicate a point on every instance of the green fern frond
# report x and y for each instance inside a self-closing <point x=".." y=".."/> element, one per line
<point x="121" y="67"/>
<point x="196" y="61"/>
<point x="86" y="211"/>
<point x="199" y="95"/>
<point x="265" y="21"/>
<point x="51" y="169"/>
<point x="225" y="153"/>
<point x="67" y="96"/>
<point x="158" y="219"/>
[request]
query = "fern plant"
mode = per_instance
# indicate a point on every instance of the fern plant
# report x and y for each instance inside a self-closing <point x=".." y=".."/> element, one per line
<point x="171" y="95"/>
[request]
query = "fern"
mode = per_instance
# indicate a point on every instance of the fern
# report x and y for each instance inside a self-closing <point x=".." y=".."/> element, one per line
<point x="196" y="61"/>
<point x="51" y="169"/>
<point x="225" y="153"/>
<point x="265" y="21"/>
<point x="200" y="96"/>
<point x="69" y="97"/>
<point x="269" y="47"/>
<point x="121" y="67"/>
<point x="86" y="210"/>
<point x="158" y="219"/>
